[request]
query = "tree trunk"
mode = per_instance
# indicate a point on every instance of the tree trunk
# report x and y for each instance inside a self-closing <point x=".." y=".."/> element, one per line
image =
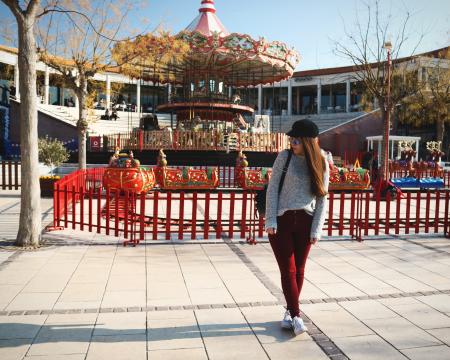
<point x="30" y="207"/>
<point x="82" y="126"/>
<point x="440" y="129"/>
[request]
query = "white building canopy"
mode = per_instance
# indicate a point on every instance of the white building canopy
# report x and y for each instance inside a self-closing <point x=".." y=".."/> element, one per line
<point x="393" y="139"/>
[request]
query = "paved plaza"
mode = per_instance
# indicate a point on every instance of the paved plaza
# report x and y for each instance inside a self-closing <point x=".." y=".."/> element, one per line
<point x="85" y="296"/>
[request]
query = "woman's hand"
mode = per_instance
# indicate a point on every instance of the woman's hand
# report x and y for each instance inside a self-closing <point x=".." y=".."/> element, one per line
<point x="313" y="241"/>
<point x="271" y="231"/>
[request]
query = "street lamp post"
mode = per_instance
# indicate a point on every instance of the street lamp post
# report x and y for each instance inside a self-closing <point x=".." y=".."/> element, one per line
<point x="387" y="106"/>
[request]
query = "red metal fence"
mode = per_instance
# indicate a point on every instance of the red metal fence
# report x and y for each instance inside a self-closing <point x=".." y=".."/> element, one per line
<point x="81" y="203"/>
<point x="10" y="175"/>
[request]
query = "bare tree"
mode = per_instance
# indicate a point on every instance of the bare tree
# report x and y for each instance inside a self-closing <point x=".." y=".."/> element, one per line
<point x="30" y="204"/>
<point x="431" y="103"/>
<point x="27" y="14"/>
<point x="364" y="46"/>
<point x="77" y="43"/>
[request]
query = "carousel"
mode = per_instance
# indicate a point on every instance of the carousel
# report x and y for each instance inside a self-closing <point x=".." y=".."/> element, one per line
<point x="210" y="89"/>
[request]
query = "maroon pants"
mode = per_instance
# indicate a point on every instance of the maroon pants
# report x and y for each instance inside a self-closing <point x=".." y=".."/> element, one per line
<point x="291" y="245"/>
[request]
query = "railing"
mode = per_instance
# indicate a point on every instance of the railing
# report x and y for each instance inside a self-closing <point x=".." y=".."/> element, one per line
<point x="194" y="140"/>
<point x="66" y="192"/>
<point x="414" y="212"/>
<point x="10" y="175"/>
<point x="81" y="203"/>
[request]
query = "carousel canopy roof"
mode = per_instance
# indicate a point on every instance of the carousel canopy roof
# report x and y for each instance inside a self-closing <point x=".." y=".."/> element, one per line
<point x="215" y="54"/>
<point x="207" y="23"/>
<point x="236" y="59"/>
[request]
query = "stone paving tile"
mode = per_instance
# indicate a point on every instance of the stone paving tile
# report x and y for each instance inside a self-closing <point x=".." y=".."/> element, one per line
<point x="57" y="357"/>
<point x="31" y="301"/>
<point x="442" y="334"/>
<point x="178" y="354"/>
<point x="359" y="309"/>
<point x="14" y="349"/>
<point x="335" y="321"/>
<point x="62" y="339"/>
<point x="401" y="333"/>
<point x="368" y="347"/>
<point x="120" y="347"/>
<point x="20" y="327"/>
<point x="124" y="298"/>
<point x="227" y="335"/>
<point x="438" y="302"/>
<point x="110" y="324"/>
<point x="306" y="349"/>
<point x="173" y="330"/>
<point x="422" y="315"/>
<point x="424" y="353"/>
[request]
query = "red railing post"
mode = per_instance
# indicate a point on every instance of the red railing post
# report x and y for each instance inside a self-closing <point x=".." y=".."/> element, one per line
<point x="231" y="217"/>
<point x="194" y="216"/>
<point x="181" y="216"/>
<point x="436" y="211"/>
<point x="417" y="212"/>
<point x="352" y="213"/>
<point x="367" y="213"/>
<point x="155" y="216"/>
<point x="330" y="213"/>
<point x="142" y="217"/>
<point x="73" y="207"/>
<point x="91" y="195"/>
<point x="65" y="206"/>
<point x="168" y="214"/>
<point x="82" y="208"/>
<point x="116" y="212"/>
<point x="107" y="210"/>
<point x="206" y="220"/>
<point x="408" y="212"/>
<point x="341" y="213"/>
<point x="377" y="213"/>
<point x="99" y="209"/>
<point x="125" y="213"/>
<point x="243" y="215"/>
<point x="387" y="225"/>
<point x="219" y="215"/>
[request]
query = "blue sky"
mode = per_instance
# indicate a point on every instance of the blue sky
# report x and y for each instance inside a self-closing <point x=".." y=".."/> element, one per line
<point x="309" y="26"/>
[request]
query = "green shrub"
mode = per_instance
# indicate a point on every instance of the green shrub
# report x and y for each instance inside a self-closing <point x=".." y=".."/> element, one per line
<point x="52" y="152"/>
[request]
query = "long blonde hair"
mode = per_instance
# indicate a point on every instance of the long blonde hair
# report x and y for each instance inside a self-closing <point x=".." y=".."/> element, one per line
<point x="316" y="164"/>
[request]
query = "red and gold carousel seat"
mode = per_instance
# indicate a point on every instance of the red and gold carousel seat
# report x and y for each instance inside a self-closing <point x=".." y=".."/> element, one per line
<point x="344" y="179"/>
<point x="250" y="179"/>
<point x="187" y="178"/>
<point x="124" y="173"/>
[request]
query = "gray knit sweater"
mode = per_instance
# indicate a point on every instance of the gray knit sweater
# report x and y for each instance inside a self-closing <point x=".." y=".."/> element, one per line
<point x="296" y="193"/>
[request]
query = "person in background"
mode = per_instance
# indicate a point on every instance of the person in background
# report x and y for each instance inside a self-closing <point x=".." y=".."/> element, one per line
<point x="114" y="115"/>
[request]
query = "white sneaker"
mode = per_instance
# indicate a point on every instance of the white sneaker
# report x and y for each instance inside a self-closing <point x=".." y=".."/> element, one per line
<point x="298" y="326"/>
<point x="286" y="323"/>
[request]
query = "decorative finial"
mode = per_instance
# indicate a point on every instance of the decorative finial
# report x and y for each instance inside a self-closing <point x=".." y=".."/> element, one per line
<point x="207" y="6"/>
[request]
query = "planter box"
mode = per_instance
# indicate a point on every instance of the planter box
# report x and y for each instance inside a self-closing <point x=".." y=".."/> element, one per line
<point x="47" y="186"/>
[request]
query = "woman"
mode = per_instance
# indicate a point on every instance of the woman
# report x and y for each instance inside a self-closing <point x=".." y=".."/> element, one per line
<point x="295" y="212"/>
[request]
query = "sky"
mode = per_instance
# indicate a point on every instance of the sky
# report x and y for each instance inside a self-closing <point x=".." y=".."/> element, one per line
<point x="311" y="27"/>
